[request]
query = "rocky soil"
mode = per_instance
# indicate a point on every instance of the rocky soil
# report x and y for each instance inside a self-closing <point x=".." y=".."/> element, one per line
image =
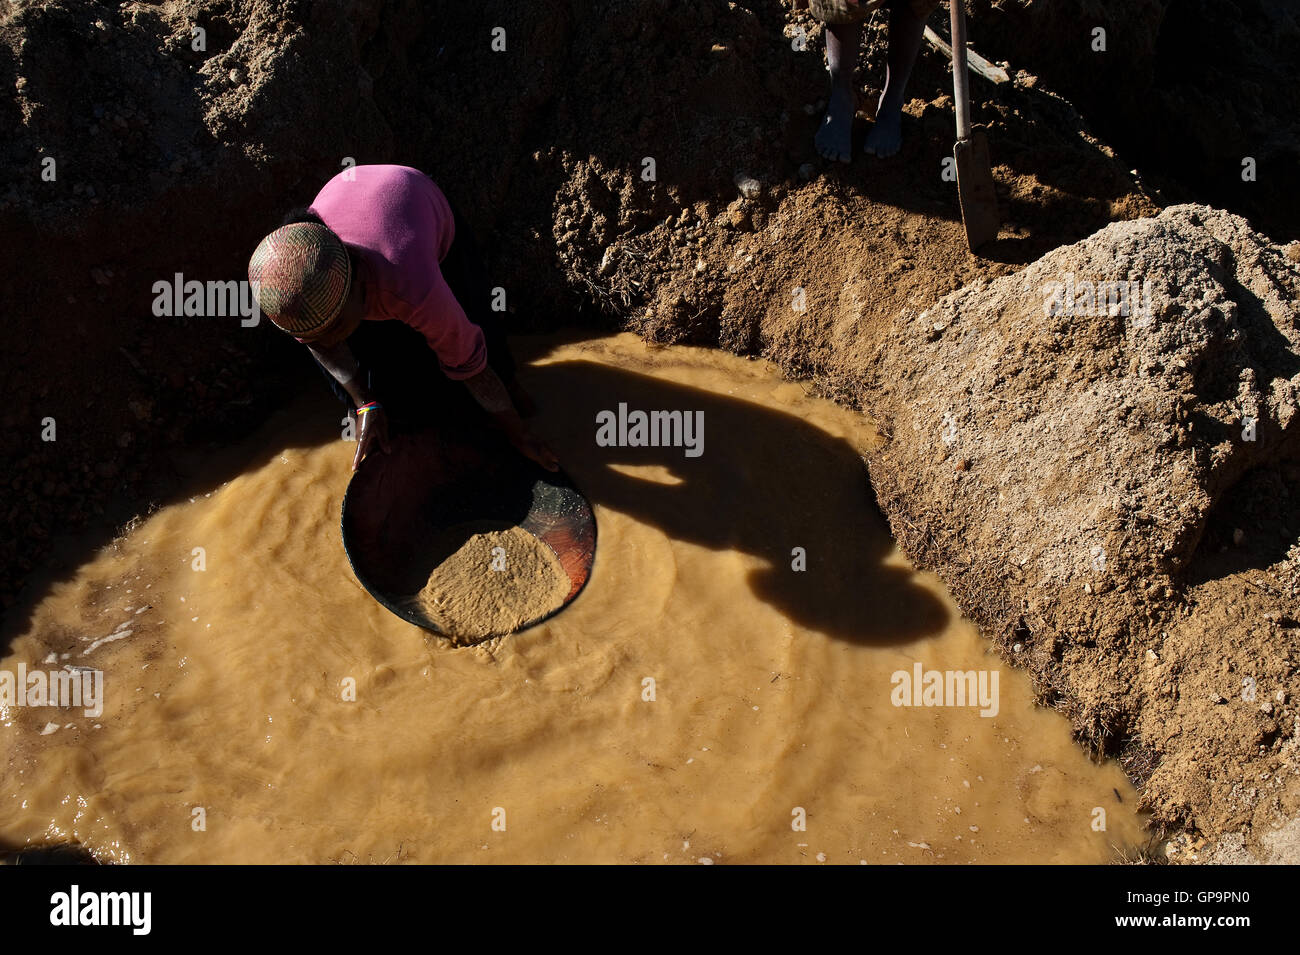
<point x="1113" y="494"/>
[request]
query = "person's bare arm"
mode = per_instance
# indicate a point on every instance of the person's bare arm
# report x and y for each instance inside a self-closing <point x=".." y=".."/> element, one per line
<point x="490" y="392"/>
<point x="342" y="365"/>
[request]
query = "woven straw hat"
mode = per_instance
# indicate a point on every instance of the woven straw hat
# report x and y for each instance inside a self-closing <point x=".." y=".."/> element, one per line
<point x="303" y="275"/>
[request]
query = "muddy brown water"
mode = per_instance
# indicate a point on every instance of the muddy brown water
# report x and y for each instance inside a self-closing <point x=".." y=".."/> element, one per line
<point x="701" y="701"/>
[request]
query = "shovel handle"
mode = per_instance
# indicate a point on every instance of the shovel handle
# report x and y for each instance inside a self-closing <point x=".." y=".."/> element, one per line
<point x="960" y="74"/>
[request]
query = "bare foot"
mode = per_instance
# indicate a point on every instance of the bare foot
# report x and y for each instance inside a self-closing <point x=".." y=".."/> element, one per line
<point x="834" y="140"/>
<point x="885" y="138"/>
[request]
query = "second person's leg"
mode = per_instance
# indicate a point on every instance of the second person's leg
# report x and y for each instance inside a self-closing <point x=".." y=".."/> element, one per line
<point x="835" y="138"/>
<point x="906" y="28"/>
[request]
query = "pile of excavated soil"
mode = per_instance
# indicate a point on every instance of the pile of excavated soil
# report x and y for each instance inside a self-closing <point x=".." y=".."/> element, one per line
<point x="1111" y="493"/>
<point x="494" y="583"/>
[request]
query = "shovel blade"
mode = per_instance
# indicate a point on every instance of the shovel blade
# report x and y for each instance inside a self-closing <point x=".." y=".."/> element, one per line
<point x="979" y="201"/>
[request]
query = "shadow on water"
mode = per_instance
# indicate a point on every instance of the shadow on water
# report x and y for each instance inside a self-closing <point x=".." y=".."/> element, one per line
<point x="767" y="482"/>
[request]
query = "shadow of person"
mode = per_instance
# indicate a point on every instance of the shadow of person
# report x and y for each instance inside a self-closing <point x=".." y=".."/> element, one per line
<point x="766" y="483"/>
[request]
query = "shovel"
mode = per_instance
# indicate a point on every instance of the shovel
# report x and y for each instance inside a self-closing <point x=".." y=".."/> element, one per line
<point x="979" y="203"/>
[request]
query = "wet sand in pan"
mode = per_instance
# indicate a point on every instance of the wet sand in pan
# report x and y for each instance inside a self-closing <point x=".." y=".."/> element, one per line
<point x="494" y="583"/>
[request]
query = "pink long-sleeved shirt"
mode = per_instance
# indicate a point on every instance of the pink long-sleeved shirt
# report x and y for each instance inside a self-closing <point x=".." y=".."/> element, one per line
<point x="401" y="227"/>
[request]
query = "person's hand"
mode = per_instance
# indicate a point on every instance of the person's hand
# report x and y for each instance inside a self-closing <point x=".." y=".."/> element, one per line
<point x="531" y="446"/>
<point x="373" y="425"/>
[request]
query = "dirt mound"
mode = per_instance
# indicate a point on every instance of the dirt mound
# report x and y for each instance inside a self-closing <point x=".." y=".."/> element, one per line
<point x="1061" y="440"/>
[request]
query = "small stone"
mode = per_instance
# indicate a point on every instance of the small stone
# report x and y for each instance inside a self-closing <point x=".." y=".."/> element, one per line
<point x="749" y="187"/>
<point x="806" y="171"/>
<point x="738" y="215"/>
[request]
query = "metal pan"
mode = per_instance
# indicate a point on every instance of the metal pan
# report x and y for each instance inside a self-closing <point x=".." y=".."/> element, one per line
<point x="445" y="485"/>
